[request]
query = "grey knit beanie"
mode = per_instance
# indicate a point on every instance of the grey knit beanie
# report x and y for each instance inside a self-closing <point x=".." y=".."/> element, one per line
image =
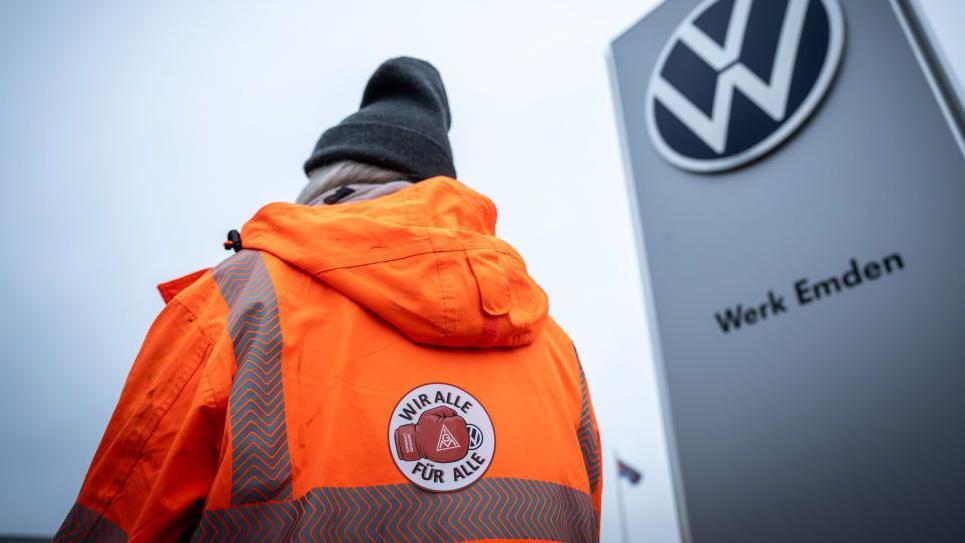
<point x="402" y="124"/>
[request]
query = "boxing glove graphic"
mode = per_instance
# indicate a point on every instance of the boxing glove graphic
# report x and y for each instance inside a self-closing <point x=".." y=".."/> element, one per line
<point x="440" y="435"/>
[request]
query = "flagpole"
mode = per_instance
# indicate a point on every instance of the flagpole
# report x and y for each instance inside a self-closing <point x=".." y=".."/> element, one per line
<point x="623" y="512"/>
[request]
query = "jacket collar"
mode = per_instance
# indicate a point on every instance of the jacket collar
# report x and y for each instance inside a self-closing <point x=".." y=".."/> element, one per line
<point x="357" y="192"/>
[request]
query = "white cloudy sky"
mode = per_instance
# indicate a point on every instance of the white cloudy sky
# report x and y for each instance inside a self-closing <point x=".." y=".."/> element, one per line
<point x="133" y="135"/>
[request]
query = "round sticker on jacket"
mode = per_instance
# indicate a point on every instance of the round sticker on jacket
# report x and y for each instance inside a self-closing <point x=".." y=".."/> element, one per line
<point x="441" y="438"/>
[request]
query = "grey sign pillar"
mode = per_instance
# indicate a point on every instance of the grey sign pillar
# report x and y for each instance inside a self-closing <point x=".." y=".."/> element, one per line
<point x="803" y="246"/>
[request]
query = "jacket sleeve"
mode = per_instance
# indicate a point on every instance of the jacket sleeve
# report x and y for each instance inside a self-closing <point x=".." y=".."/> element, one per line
<point x="158" y="457"/>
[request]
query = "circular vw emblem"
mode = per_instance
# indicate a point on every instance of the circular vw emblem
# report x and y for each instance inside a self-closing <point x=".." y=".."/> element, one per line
<point x="441" y="438"/>
<point x="739" y="76"/>
<point x="475" y="437"/>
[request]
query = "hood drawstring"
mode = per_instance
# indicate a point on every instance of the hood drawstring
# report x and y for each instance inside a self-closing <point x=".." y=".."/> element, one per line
<point x="233" y="241"/>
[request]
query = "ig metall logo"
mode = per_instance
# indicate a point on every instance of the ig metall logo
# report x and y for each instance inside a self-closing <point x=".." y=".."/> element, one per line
<point x="738" y="77"/>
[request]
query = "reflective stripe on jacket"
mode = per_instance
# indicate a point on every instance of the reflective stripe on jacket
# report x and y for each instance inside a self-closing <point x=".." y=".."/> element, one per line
<point x="260" y="405"/>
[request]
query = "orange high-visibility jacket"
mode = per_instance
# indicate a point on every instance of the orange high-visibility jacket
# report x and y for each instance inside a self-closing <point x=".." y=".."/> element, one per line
<point x="381" y="370"/>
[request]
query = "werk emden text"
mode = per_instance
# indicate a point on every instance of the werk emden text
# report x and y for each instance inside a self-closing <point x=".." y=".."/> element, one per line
<point x="808" y="292"/>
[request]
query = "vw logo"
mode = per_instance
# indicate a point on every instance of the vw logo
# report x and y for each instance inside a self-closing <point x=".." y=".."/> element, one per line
<point x="475" y="437"/>
<point x="738" y="77"/>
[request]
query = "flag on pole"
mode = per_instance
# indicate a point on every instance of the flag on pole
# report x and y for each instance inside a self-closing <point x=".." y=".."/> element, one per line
<point x="628" y="472"/>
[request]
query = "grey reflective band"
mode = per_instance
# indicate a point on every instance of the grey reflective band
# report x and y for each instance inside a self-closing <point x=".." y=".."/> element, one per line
<point x="493" y="508"/>
<point x="261" y="465"/>
<point x="589" y="444"/>
<point x="83" y="524"/>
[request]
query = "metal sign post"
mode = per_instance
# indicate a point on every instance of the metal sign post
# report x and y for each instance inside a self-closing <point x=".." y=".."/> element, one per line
<point x="797" y="177"/>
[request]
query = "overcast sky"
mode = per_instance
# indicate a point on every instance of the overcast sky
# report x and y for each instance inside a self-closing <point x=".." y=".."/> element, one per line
<point x="135" y="134"/>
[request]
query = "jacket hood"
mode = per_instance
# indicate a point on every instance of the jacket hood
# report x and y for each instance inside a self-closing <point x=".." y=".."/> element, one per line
<point x="425" y="259"/>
